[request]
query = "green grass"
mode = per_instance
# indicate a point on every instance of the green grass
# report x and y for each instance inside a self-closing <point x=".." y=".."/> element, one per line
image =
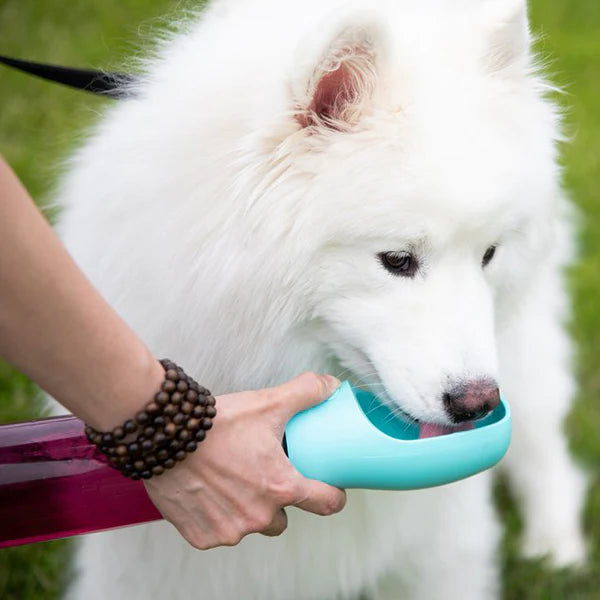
<point x="40" y="122"/>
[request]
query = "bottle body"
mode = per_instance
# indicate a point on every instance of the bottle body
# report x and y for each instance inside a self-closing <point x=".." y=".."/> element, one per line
<point x="54" y="483"/>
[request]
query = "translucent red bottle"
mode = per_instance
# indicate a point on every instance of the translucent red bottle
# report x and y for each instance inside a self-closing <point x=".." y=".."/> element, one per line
<point x="54" y="483"/>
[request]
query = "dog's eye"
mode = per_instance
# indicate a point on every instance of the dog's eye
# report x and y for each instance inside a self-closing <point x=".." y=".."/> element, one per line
<point x="487" y="257"/>
<point x="399" y="263"/>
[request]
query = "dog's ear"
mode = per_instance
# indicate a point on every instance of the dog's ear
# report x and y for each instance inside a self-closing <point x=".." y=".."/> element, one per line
<point x="334" y="93"/>
<point x="508" y="36"/>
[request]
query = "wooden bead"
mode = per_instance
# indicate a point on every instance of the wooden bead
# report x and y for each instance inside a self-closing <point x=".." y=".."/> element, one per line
<point x="134" y="448"/>
<point x="158" y="470"/>
<point x="200" y="435"/>
<point x="151" y="461"/>
<point x="174" y="446"/>
<point x="201" y="401"/>
<point x="129" y="426"/>
<point x="118" y="433"/>
<point x="153" y="408"/>
<point x="198" y="411"/>
<point x="180" y="455"/>
<point x="182" y="386"/>
<point x="149" y="431"/>
<point x="179" y="419"/>
<point x="170" y="429"/>
<point x="121" y="450"/>
<point x="139" y="465"/>
<point x="142" y="417"/>
<point x="169" y="463"/>
<point x="172" y="375"/>
<point x="210" y="400"/>
<point x="191" y="396"/>
<point x="193" y="424"/>
<point x="159" y="421"/>
<point x="135" y="475"/>
<point x="168" y="386"/>
<point x="206" y="423"/>
<point x="191" y="446"/>
<point x="146" y="474"/>
<point x="147" y="445"/>
<point x="184" y="435"/>
<point x="170" y="410"/>
<point x="162" y="454"/>
<point x="187" y="408"/>
<point x="107" y="439"/>
<point x="210" y="411"/>
<point x="176" y="397"/>
<point x="161" y="398"/>
<point x="159" y="438"/>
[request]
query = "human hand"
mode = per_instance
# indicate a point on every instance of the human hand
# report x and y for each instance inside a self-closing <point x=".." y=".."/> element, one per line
<point x="239" y="479"/>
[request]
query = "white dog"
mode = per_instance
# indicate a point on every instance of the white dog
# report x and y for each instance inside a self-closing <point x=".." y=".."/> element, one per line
<point x="368" y="189"/>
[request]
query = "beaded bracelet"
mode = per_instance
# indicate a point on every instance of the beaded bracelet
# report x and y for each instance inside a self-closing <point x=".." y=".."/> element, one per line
<point x="171" y="425"/>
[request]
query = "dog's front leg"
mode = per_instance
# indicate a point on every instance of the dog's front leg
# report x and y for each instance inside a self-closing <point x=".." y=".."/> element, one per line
<point x="536" y="380"/>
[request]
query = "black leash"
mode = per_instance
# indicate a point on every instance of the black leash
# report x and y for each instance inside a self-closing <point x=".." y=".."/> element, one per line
<point x="113" y="85"/>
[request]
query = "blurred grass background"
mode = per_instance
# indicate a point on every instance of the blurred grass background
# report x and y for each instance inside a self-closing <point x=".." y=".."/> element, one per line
<point x="40" y="122"/>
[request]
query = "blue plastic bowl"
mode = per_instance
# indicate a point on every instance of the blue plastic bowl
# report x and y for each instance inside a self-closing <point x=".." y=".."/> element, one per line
<point x="353" y="441"/>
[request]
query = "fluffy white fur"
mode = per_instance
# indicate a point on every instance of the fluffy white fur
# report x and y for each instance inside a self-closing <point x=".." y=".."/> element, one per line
<point x="235" y="226"/>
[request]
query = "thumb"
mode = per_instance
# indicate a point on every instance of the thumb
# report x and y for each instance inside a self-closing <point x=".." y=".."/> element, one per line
<point x="302" y="392"/>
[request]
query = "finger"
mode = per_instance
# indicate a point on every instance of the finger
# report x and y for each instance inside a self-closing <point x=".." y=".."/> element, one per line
<point x="302" y="392"/>
<point x="278" y="524"/>
<point x="320" y="498"/>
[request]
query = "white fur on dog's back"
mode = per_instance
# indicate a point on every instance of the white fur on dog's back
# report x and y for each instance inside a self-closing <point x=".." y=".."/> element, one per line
<point x="242" y="245"/>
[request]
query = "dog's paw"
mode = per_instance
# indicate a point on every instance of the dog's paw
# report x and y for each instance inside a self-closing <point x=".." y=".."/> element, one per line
<point x="568" y="550"/>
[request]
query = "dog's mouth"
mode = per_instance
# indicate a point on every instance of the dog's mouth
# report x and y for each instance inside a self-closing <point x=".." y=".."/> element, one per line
<point x="428" y="430"/>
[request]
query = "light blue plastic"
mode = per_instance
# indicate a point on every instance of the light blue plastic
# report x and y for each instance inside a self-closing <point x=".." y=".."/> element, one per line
<point x="353" y="441"/>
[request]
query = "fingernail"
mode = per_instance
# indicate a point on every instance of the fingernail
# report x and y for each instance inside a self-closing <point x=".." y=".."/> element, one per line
<point x="332" y="383"/>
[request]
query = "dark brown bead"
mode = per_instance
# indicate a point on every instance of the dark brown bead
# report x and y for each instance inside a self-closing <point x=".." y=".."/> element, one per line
<point x="158" y="470"/>
<point x="123" y="459"/>
<point x="159" y="438"/>
<point x="191" y="396"/>
<point x="151" y="461"/>
<point x="200" y="389"/>
<point x="88" y="430"/>
<point x="118" y="433"/>
<point x="135" y="475"/>
<point x="162" y="454"/>
<point x="200" y="435"/>
<point x="191" y="446"/>
<point x="207" y="392"/>
<point x="113" y="460"/>
<point x="142" y="417"/>
<point x="192" y="424"/>
<point x="198" y="411"/>
<point x="170" y="410"/>
<point x="146" y="474"/>
<point x="210" y="400"/>
<point x="126" y="470"/>
<point x="159" y="421"/>
<point x="182" y="386"/>
<point x="98" y="439"/>
<point x="161" y="398"/>
<point x="210" y="411"/>
<point x="179" y="455"/>
<point x="169" y="463"/>
<point x="139" y="464"/>
<point x="187" y="408"/>
<point x="128" y="466"/>
<point x="174" y="446"/>
<point x="206" y="423"/>
<point x="147" y="445"/>
<point x="134" y="448"/>
<point x="121" y="450"/>
<point x="149" y="431"/>
<point x="129" y="426"/>
<point x="170" y="429"/>
<point x="201" y="401"/>
<point x="184" y="435"/>
<point x="176" y="397"/>
<point x="168" y="386"/>
<point x="153" y="408"/>
<point x="179" y="419"/>
<point x="172" y="375"/>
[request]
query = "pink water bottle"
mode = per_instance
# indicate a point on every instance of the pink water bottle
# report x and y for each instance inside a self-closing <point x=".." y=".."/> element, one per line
<point x="54" y="483"/>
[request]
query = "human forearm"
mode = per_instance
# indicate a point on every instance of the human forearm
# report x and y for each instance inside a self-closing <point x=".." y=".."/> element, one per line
<point x="57" y="329"/>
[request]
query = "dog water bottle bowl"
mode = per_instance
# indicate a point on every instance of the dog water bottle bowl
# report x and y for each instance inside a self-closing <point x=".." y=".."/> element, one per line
<point x="353" y="441"/>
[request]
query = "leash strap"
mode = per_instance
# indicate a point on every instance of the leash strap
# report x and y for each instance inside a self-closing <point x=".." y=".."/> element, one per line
<point x="113" y="85"/>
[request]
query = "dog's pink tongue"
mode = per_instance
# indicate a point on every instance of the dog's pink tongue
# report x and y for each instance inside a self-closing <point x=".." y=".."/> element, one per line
<point x="427" y="430"/>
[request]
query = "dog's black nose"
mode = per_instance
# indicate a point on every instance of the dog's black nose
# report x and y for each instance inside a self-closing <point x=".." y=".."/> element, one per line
<point x="471" y="400"/>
